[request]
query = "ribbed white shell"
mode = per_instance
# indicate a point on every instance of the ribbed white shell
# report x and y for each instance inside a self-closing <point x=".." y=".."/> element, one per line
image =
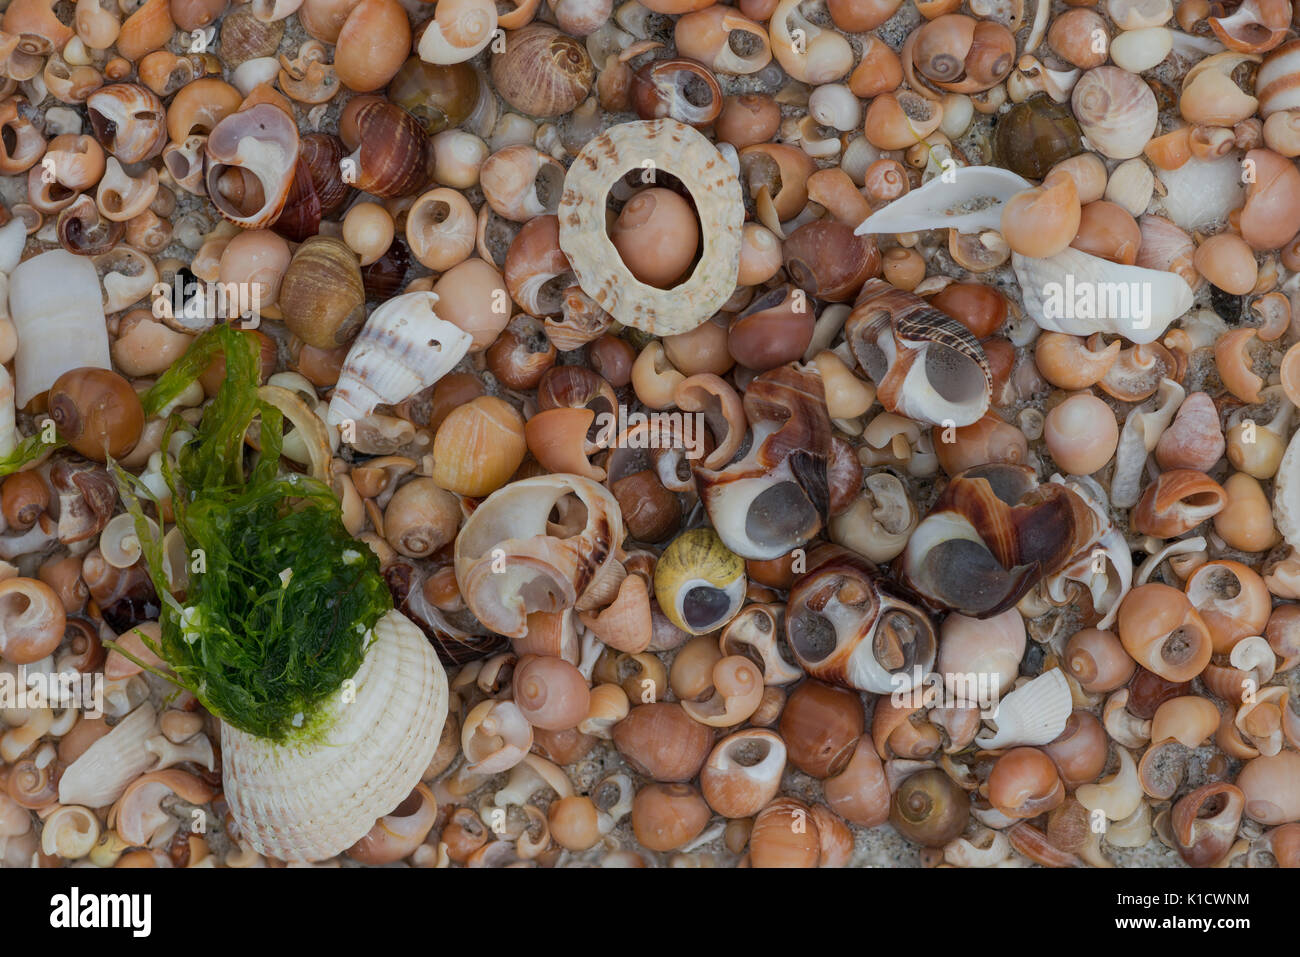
<point x="1035" y="713"/>
<point x="312" y="802"/>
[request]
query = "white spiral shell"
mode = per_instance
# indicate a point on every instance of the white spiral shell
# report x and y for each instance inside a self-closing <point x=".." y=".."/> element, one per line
<point x="403" y="347"/>
<point x="311" y="802"/>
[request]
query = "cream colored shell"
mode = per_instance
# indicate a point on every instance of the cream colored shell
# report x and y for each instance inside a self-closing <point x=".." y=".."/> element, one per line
<point x="678" y="149"/>
<point x="311" y="802"/>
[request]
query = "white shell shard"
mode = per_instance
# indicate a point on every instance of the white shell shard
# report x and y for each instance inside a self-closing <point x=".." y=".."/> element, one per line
<point x="1079" y="294"/>
<point x="310" y="802"/>
<point x="58" y="313"/>
<point x="968" y="199"/>
<point x="1035" y="713"/>
<point x="101" y="774"/>
<point x="1104" y="566"/>
<point x="1200" y="194"/>
<point x="684" y="152"/>
<point x="1286" y="494"/>
<point x="403" y="347"/>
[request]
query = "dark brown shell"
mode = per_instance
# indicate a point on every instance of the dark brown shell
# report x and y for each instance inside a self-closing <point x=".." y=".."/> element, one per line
<point x="1026" y="532"/>
<point x="323" y="153"/>
<point x="393" y="158"/>
<point x="301" y="216"/>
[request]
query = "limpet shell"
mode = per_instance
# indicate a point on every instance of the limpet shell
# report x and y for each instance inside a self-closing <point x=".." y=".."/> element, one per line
<point x="675" y="148"/>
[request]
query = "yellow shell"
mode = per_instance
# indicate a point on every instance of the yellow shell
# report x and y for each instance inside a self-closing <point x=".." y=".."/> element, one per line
<point x="700" y="583"/>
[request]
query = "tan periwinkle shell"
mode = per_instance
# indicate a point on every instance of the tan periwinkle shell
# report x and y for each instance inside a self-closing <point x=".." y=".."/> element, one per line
<point x="311" y="801"/>
<point x="682" y="151"/>
<point x="1116" y="111"/>
<point x="321" y="294"/>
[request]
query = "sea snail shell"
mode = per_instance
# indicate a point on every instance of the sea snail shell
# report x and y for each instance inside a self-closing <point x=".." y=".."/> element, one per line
<point x="310" y="802"/>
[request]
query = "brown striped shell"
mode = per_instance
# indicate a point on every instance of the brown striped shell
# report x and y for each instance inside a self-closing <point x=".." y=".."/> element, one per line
<point x="652" y="145"/>
<point x="926" y="365"/>
<point x="992" y="535"/>
<point x="778" y="496"/>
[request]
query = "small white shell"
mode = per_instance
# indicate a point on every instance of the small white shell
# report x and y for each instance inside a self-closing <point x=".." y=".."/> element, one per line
<point x="969" y="199"/>
<point x="310" y="802"/>
<point x="1286" y="494"/>
<point x="686" y="153"/>
<point x="1139" y="50"/>
<point x="1131" y="186"/>
<point x="1200" y="194"/>
<point x="1054" y="289"/>
<point x="1035" y="713"/>
<point x="58" y="312"/>
<point x="403" y="347"/>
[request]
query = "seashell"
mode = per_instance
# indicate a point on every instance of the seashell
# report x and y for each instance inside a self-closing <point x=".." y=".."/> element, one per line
<point x="1116" y="111"/>
<point x="1277" y="84"/>
<point x="459" y="31"/>
<point x="1211" y="97"/>
<point x="849" y="625"/>
<point x="1254" y="26"/>
<point x="321" y="294"/>
<point x="1131" y="186"/>
<point x="402" y="348"/>
<point x="992" y="534"/>
<point x="392" y="157"/>
<point x="102" y="772"/>
<point x="1140" y="50"/>
<point x="546" y="566"/>
<point x="924" y="364"/>
<point x="323" y="153"/>
<point x="1176" y="502"/>
<point x="1035" y="135"/>
<point x="1080" y="294"/>
<point x="970" y="203"/>
<point x="56" y="304"/>
<point x="1034" y="713"/>
<point x="777" y="497"/>
<point x="1286" y="494"/>
<point x="1195" y="439"/>
<point x="677" y="149"/>
<point x="251" y="159"/>
<point x="128" y="120"/>
<point x="542" y="72"/>
<point x="698" y="582"/>
<point x="1272" y="208"/>
<point x="308" y="802"/>
<point x="659" y="90"/>
<point x="245" y="37"/>
<point x="148" y="28"/>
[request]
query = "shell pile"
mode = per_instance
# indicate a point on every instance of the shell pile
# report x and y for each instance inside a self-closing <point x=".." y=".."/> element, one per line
<point x="794" y="433"/>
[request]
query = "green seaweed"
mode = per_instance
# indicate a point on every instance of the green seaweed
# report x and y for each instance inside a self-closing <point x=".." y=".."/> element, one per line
<point x="278" y="616"/>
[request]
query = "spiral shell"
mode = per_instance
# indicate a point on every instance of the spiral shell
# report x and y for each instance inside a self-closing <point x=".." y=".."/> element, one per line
<point x="542" y="72"/>
<point x="849" y="625"/>
<point x="393" y="156"/>
<point x="678" y="149"/>
<point x="926" y="365"/>
<point x="309" y="802"/>
<point x="260" y="142"/>
<point x="1277" y="84"/>
<point x="321" y="294"/>
<point x="1116" y="111"/>
<point x="403" y="347"/>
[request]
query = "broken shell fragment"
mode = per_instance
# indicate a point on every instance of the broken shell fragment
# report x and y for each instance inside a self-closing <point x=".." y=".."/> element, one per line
<point x="402" y="348"/>
<point x="1034" y="713"/>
